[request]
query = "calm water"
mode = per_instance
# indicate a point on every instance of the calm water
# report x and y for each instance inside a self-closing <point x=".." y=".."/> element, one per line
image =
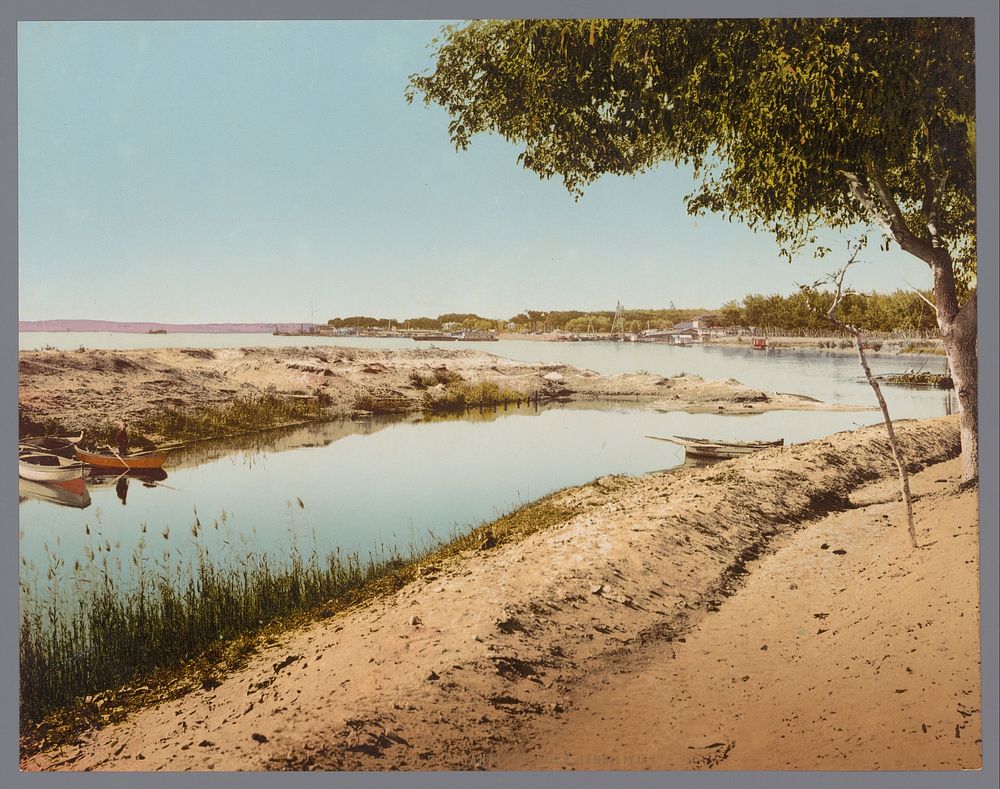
<point x="366" y="486"/>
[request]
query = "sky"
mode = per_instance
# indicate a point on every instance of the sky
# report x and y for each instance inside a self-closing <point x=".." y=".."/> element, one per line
<point x="273" y="171"/>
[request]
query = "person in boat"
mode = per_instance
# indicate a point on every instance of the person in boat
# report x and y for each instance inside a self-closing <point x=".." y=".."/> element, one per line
<point x="121" y="438"/>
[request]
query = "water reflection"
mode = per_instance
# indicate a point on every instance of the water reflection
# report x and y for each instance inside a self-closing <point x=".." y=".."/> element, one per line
<point x="77" y="497"/>
<point x="121" y="488"/>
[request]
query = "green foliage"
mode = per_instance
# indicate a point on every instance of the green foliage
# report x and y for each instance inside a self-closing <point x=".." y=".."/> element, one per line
<point x="771" y="113"/>
<point x="241" y="415"/>
<point x="532" y="320"/>
<point x="430" y="324"/>
<point x="900" y="311"/>
<point x="460" y="395"/>
<point x="359" y="322"/>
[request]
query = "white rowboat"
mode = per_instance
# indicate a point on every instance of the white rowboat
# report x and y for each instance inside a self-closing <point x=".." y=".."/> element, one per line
<point x="42" y="466"/>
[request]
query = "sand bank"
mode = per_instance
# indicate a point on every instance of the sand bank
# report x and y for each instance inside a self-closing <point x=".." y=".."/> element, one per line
<point x="81" y="388"/>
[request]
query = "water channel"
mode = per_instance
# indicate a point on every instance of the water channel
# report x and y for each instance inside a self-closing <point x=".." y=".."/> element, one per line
<point x="374" y="486"/>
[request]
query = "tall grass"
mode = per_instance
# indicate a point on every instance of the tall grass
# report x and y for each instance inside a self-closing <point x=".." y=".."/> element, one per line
<point x="182" y="604"/>
<point x="461" y="395"/>
<point x="240" y="415"/>
<point x="166" y="608"/>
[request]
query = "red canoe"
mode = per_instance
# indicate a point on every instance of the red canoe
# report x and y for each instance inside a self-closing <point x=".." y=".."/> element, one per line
<point x="144" y="461"/>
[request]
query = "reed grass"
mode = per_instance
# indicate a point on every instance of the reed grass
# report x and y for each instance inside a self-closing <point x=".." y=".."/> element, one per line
<point x="170" y="605"/>
<point x="241" y="415"/>
<point x="123" y="640"/>
<point x="462" y="395"/>
<point x="382" y="403"/>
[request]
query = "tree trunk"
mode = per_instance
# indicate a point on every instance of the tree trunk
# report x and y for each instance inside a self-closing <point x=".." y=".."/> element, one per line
<point x="959" y="332"/>
<point x="958" y="326"/>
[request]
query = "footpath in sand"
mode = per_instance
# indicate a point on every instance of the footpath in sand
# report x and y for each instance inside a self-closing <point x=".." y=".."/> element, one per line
<point x="844" y="651"/>
<point x="764" y="613"/>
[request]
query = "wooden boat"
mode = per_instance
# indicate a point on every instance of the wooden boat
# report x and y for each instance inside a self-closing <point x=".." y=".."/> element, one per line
<point x="139" y="461"/>
<point x="706" y="448"/>
<point x="71" y="493"/>
<point x="41" y="466"/>
<point x="64" y="446"/>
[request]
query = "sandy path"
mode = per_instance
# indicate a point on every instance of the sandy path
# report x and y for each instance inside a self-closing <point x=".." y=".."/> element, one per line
<point x="522" y="647"/>
<point x="862" y="661"/>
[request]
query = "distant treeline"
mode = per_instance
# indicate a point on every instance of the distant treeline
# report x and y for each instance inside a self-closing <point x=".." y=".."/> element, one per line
<point x="529" y="321"/>
<point x="804" y="311"/>
<point x="900" y="311"/>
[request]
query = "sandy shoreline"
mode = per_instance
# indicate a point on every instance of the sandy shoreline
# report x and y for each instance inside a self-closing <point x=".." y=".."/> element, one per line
<point x="81" y="388"/>
<point x="647" y="607"/>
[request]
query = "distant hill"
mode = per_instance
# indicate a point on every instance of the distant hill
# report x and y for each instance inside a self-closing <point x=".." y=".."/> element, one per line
<point x="142" y="327"/>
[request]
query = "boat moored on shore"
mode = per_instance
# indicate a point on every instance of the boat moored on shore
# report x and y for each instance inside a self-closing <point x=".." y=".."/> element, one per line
<point x="718" y="450"/>
<point x="41" y="466"/>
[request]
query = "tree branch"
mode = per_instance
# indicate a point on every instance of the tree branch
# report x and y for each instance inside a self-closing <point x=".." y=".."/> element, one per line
<point x="929" y="210"/>
<point x="923" y="298"/>
<point x="886" y="212"/>
<point x="905" y="237"/>
<point x="897" y="452"/>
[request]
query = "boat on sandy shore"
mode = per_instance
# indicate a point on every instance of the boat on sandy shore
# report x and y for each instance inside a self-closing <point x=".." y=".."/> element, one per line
<point x="64" y="446"/>
<point x="139" y="461"/>
<point x="41" y="466"/>
<point x="721" y="450"/>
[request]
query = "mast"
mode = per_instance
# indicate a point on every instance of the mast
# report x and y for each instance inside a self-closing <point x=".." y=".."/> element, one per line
<point x="619" y="322"/>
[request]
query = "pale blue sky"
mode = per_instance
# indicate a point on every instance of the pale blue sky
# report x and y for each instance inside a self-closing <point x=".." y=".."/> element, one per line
<point x="243" y="171"/>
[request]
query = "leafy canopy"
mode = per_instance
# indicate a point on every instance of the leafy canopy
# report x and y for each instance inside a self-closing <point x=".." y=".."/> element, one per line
<point x="770" y="113"/>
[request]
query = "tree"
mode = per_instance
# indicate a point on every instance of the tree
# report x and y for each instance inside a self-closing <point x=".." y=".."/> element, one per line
<point x="789" y="125"/>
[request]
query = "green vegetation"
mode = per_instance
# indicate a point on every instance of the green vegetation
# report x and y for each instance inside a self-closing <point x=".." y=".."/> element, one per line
<point x="172" y="611"/>
<point x="184" y="619"/>
<point x="901" y="311"/>
<point x="441" y="375"/>
<point x="386" y="402"/>
<point x="914" y="378"/>
<point x="578" y="321"/>
<point x="460" y="395"/>
<point x="904" y="312"/>
<point x="922" y="347"/>
<point x="241" y="415"/>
